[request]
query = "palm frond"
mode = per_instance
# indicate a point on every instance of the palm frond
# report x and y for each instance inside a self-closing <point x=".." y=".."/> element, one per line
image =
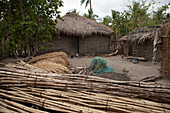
<point x="87" y="3"/>
<point x="82" y="1"/>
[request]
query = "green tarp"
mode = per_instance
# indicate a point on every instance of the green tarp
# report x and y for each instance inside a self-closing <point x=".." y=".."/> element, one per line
<point x="98" y="65"/>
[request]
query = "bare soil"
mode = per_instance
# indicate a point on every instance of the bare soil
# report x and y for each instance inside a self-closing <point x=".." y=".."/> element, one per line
<point x="124" y="69"/>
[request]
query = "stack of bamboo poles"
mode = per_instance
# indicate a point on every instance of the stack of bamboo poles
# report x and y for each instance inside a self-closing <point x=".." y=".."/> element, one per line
<point x="25" y="90"/>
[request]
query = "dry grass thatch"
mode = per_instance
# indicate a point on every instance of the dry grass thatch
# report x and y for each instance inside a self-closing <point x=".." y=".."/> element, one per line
<point x="52" y="67"/>
<point x="165" y="30"/>
<point x="55" y="57"/>
<point x="141" y="34"/>
<point x="55" y="62"/>
<point x="76" y="25"/>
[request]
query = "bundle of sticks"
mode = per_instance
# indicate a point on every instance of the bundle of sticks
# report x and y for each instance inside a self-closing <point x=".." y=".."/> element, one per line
<point x="81" y="70"/>
<point x="25" y="90"/>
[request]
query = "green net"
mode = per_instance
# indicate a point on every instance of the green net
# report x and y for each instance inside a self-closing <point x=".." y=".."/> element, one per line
<point x="98" y="65"/>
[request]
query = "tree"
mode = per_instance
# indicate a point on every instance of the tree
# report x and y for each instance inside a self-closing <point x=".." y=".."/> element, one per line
<point x="118" y="22"/>
<point x="161" y="15"/>
<point x="107" y="20"/>
<point x="75" y="10"/>
<point x="26" y="22"/>
<point x="93" y="16"/>
<point x="139" y="12"/>
<point x="87" y="3"/>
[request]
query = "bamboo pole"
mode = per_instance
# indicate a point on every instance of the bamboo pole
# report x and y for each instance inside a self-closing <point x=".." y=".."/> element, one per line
<point x="6" y="110"/>
<point x="22" y="107"/>
<point x="100" y="103"/>
<point x="79" y="93"/>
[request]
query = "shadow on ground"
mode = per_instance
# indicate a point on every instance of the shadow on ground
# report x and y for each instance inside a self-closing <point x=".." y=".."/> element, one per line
<point x="115" y="76"/>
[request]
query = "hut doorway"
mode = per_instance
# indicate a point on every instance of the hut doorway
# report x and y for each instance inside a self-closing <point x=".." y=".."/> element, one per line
<point x="74" y="45"/>
<point x="130" y="50"/>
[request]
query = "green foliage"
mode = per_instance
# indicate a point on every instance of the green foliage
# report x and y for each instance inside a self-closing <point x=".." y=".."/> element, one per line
<point x="83" y="1"/>
<point x="90" y="10"/>
<point x="41" y="47"/>
<point x="27" y="19"/>
<point x="138" y="14"/>
<point x="107" y="20"/>
<point x="75" y="10"/>
<point x="93" y="16"/>
<point x="50" y="44"/>
<point x="161" y="15"/>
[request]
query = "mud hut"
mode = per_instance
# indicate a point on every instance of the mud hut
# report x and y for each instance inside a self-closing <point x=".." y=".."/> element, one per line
<point x="81" y="35"/>
<point x="142" y="42"/>
<point x="165" y="50"/>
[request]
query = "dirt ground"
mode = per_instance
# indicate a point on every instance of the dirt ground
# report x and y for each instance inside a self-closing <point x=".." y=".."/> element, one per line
<point x="122" y="66"/>
<point x="124" y="69"/>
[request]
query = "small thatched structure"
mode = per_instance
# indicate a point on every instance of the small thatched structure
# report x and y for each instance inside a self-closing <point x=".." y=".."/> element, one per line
<point x="81" y="35"/>
<point x="165" y="50"/>
<point x="142" y="42"/>
<point x="55" y="62"/>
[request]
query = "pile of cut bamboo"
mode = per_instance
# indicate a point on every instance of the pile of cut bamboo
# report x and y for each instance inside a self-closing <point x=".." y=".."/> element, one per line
<point x="25" y="90"/>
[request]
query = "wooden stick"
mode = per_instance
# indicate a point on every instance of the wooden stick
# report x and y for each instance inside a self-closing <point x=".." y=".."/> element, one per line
<point x="6" y="110"/>
<point x="22" y="107"/>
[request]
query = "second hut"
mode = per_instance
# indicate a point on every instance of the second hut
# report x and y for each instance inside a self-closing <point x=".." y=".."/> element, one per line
<point x="142" y="42"/>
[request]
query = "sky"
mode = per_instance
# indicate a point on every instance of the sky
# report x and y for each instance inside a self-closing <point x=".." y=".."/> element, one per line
<point x="102" y="8"/>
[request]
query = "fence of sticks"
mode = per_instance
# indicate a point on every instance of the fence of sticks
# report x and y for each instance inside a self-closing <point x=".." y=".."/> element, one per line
<point x="24" y="88"/>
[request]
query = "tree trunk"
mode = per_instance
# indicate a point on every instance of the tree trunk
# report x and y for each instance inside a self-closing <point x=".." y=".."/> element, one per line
<point x="27" y="41"/>
<point x="28" y="48"/>
<point x="90" y="10"/>
<point x="36" y="41"/>
<point x="135" y="21"/>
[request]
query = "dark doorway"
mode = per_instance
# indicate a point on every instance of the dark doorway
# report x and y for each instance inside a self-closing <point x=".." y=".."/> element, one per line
<point x="130" y="50"/>
<point x="74" y="45"/>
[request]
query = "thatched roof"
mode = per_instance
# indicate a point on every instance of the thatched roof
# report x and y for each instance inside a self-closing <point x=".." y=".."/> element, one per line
<point x="141" y="34"/>
<point x="165" y="30"/>
<point x="76" y="25"/>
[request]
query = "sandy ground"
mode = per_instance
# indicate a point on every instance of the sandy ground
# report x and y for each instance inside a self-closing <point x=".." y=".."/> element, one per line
<point x="134" y="71"/>
<point x="122" y="67"/>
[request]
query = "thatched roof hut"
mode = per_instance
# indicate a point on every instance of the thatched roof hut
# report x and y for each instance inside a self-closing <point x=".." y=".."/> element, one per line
<point x="140" y="41"/>
<point x="165" y="49"/>
<point x="81" y="35"/>
<point x="76" y="25"/>
<point x="141" y="34"/>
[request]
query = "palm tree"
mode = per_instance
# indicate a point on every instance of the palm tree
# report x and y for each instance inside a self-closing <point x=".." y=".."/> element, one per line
<point x="107" y="20"/>
<point x="139" y="12"/>
<point x="134" y="11"/>
<point x="75" y="10"/>
<point x="87" y="3"/>
<point x="93" y="16"/>
<point x="160" y="15"/>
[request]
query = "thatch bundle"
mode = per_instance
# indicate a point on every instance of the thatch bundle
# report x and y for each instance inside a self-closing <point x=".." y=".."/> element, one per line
<point x="52" y="67"/>
<point x="55" y="57"/>
<point x="55" y="62"/>
<point x="141" y="34"/>
<point x="76" y="25"/>
<point x="23" y="90"/>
